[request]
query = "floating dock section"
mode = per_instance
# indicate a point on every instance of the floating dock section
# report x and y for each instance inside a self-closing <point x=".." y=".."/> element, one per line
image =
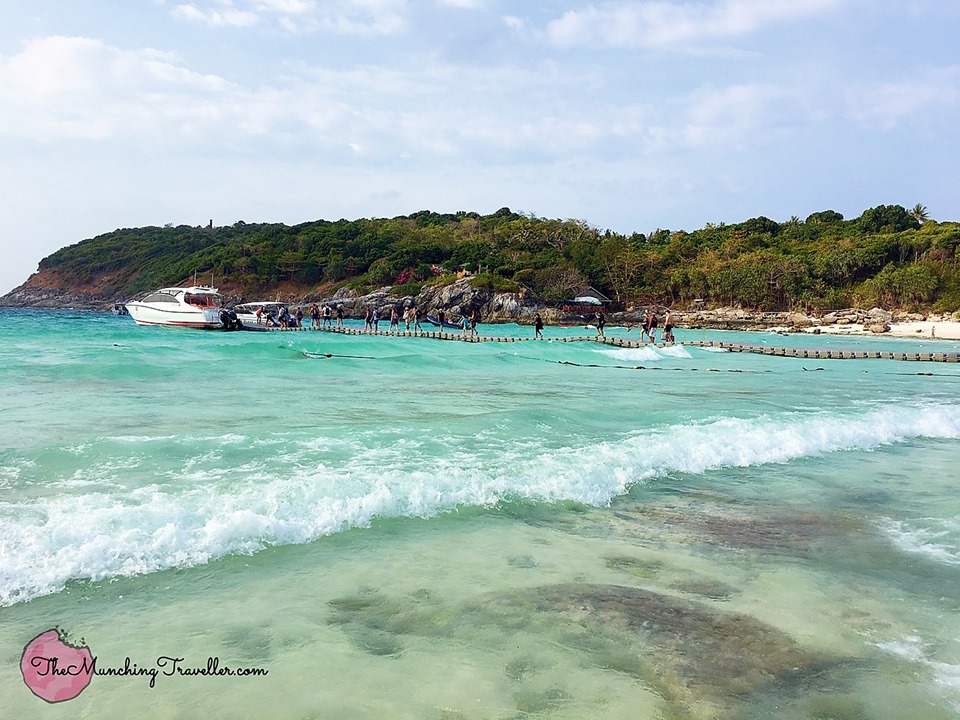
<point x="792" y="352"/>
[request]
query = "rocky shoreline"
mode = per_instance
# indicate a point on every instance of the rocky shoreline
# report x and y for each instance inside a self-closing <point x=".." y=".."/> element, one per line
<point x="460" y="297"/>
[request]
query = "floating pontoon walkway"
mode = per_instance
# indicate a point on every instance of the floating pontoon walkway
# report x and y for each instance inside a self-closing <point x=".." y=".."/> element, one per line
<point x="793" y="352"/>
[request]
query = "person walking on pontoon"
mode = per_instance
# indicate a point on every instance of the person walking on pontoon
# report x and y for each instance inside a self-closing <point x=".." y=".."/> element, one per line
<point x="474" y="319"/>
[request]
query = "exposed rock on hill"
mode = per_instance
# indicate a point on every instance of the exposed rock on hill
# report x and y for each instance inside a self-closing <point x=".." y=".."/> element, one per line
<point x="46" y="289"/>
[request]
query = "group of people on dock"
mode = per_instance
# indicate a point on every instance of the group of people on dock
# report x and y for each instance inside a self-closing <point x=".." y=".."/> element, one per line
<point x="281" y="317"/>
<point x="649" y="323"/>
<point x="323" y="316"/>
<point x="326" y="316"/>
<point x="410" y="316"/>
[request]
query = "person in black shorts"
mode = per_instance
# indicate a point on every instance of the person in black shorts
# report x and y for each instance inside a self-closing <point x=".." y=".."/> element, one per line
<point x="538" y="326"/>
<point x="474" y="318"/>
<point x="601" y="321"/>
<point x="668" y="329"/>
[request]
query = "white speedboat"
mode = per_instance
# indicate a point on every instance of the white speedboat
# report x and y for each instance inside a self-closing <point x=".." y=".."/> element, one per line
<point x="247" y="313"/>
<point x="195" y="307"/>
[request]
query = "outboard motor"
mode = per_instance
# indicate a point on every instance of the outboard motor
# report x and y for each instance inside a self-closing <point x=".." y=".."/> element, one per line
<point x="229" y="320"/>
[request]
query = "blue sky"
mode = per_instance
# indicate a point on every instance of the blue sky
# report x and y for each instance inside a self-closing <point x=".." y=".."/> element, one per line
<point x="629" y="115"/>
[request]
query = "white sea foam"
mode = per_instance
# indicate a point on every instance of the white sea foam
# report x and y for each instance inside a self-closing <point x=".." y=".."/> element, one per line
<point x="648" y="353"/>
<point x="936" y="539"/>
<point x="11" y="472"/>
<point x="946" y="676"/>
<point x="676" y="351"/>
<point x="198" y="511"/>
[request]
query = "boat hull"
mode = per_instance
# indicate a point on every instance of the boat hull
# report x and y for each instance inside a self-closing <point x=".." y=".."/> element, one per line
<point x="448" y="325"/>
<point x="206" y="319"/>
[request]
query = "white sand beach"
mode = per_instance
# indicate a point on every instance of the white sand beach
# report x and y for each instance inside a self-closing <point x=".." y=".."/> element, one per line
<point x="937" y="330"/>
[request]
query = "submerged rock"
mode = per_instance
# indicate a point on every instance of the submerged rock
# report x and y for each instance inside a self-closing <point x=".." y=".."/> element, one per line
<point x="706" y="588"/>
<point x="722" y="654"/>
<point x="701" y="661"/>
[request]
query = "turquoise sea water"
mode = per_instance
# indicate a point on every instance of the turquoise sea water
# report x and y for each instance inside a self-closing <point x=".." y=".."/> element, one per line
<point x="412" y="528"/>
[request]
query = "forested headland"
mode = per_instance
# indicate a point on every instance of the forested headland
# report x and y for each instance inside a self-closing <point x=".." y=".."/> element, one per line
<point x="889" y="256"/>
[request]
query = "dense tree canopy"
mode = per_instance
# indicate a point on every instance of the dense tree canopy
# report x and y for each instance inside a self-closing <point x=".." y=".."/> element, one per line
<point x="888" y="256"/>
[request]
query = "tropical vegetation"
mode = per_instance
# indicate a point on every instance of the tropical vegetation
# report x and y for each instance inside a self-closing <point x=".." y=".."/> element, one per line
<point x="888" y="256"/>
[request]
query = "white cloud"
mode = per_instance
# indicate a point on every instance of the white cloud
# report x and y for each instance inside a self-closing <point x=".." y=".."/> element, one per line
<point x="466" y="4"/>
<point x="60" y="87"/>
<point x="346" y="17"/>
<point x="78" y="88"/>
<point x="888" y="104"/>
<point x="513" y="22"/>
<point x="286" y="7"/>
<point x="227" y="17"/>
<point x="662" y="24"/>
<point x="736" y="115"/>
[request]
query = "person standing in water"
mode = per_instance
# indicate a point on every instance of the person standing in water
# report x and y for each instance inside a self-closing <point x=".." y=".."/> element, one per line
<point x="601" y="321"/>
<point x="538" y="326"/>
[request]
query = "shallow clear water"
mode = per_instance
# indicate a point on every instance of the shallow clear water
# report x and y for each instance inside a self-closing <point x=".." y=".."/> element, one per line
<point x="412" y="528"/>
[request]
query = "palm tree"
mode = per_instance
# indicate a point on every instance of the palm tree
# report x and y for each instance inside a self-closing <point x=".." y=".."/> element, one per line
<point x="919" y="213"/>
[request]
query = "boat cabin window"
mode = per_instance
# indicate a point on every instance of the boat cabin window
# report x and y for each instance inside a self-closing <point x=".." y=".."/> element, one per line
<point x="159" y="297"/>
<point x="203" y="301"/>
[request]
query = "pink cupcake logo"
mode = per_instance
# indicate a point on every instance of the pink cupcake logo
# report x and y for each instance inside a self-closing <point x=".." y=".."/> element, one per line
<point x="55" y="670"/>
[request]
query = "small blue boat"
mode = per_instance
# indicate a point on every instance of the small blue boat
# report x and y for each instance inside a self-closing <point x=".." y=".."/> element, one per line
<point x="445" y="324"/>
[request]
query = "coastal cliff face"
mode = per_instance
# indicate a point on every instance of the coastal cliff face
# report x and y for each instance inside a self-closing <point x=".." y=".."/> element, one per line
<point x="47" y="289"/>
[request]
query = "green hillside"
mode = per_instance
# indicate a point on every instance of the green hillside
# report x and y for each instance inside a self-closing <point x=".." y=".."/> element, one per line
<point x="888" y="256"/>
